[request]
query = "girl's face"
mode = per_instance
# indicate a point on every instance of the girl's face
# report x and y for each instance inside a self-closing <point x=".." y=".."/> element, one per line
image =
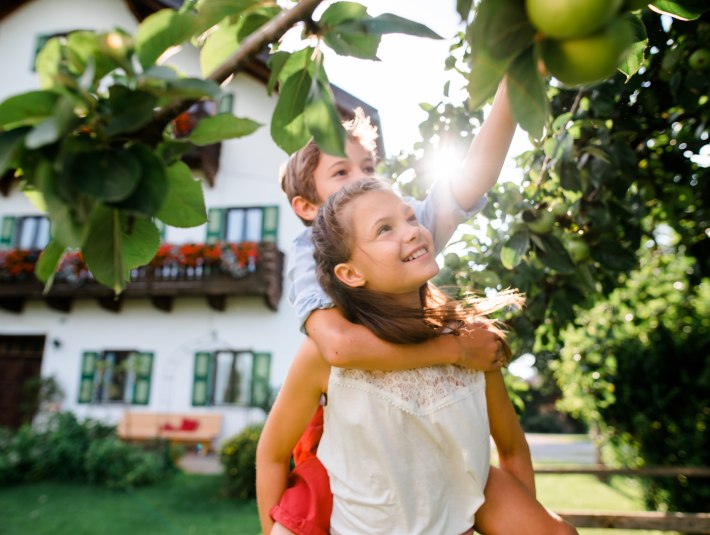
<point x="391" y="251"/>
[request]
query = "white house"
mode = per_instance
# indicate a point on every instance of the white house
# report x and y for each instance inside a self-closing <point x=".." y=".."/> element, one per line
<point x="180" y="339"/>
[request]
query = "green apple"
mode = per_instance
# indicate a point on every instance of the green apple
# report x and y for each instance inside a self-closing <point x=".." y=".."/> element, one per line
<point x="452" y="261"/>
<point x="539" y="221"/>
<point x="700" y="59"/>
<point x="562" y="19"/>
<point x="586" y="60"/>
<point x="558" y="208"/>
<point x="576" y="247"/>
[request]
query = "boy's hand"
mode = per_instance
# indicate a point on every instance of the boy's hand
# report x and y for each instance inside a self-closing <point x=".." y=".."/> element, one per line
<point x="481" y="348"/>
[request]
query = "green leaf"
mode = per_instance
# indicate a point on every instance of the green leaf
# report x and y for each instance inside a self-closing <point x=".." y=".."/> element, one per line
<point x="506" y="29"/>
<point x="184" y="205"/>
<point x="48" y="262"/>
<point x="351" y="39"/>
<point x="679" y="9"/>
<point x="526" y="91"/>
<point x="161" y="30"/>
<point x="635" y="56"/>
<point x="10" y="145"/>
<point x="219" y="45"/>
<point x="340" y="12"/>
<point x="103" y="248"/>
<point x="276" y="63"/>
<point x="514" y="250"/>
<point x="171" y="150"/>
<point x="214" y="129"/>
<point x="106" y="175"/>
<point x="53" y="128"/>
<point x="211" y="12"/>
<point x="27" y="108"/>
<point x="128" y="109"/>
<point x="141" y="239"/>
<point x="463" y="8"/>
<point x="323" y="120"/>
<point x="288" y="126"/>
<point x="192" y="88"/>
<point x="486" y="74"/>
<point x="152" y="189"/>
<point x="554" y="255"/>
<point x="255" y="19"/>
<point x="389" y="23"/>
<point x="301" y="60"/>
<point x="47" y="62"/>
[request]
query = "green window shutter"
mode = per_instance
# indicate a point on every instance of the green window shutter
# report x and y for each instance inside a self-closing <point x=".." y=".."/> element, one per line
<point x="270" y="223"/>
<point x="226" y="103"/>
<point x="201" y="379"/>
<point x="86" y="379"/>
<point x="260" y="372"/>
<point x="7" y="231"/>
<point x="215" y="225"/>
<point x="144" y="368"/>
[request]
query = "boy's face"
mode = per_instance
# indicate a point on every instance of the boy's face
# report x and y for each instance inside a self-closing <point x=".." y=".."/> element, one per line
<point x="333" y="173"/>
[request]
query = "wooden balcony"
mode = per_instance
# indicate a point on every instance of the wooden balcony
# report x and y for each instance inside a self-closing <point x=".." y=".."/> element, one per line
<point x="160" y="284"/>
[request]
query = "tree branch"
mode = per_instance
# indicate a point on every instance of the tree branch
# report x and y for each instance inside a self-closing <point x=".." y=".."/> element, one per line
<point x="252" y="45"/>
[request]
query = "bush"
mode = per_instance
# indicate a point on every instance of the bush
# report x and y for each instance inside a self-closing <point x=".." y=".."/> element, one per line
<point x="116" y="465"/>
<point x="67" y="450"/>
<point x="238" y="457"/>
<point x="637" y="367"/>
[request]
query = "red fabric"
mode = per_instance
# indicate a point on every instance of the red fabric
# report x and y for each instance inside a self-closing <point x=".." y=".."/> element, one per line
<point x="189" y="425"/>
<point x="306" y="504"/>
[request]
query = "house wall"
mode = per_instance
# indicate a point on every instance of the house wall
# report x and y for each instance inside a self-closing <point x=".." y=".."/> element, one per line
<point x="247" y="177"/>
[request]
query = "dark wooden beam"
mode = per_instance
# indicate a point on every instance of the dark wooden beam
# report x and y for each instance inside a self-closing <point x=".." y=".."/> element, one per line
<point x="683" y="522"/>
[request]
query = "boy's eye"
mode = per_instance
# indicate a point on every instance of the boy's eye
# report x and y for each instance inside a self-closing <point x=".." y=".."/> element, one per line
<point x="369" y="170"/>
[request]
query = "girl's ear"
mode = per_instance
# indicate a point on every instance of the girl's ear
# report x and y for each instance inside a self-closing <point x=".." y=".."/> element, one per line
<point x="304" y="208"/>
<point x="349" y="276"/>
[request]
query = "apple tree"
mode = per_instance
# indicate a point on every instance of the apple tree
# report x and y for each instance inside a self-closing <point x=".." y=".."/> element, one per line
<point x="618" y="164"/>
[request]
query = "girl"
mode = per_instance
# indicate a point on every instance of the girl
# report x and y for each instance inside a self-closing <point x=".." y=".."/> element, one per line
<point x="407" y="452"/>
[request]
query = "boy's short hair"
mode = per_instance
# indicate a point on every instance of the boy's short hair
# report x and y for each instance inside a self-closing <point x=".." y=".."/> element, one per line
<point x="296" y="176"/>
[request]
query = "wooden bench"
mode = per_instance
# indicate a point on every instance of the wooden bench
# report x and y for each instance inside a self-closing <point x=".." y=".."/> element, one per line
<point x="191" y="429"/>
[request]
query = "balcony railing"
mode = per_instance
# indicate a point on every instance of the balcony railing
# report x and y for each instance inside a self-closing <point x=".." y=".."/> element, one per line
<point x="212" y="271"/>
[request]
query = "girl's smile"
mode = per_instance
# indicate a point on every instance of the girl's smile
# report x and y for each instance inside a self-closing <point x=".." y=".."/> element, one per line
<point x="392" y="252"/>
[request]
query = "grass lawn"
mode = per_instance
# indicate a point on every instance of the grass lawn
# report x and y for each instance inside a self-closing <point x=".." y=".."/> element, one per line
<point x="186" y="504"/>
<point x="581" y="491"/>
<point x="194" y="504"/>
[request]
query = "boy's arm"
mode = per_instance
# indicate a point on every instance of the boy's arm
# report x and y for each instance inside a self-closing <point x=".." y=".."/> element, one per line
<point x="292" y="411"/>
<point x="486" y="155"/>
<point x="513" y="449"/>
<point x="348" y="345"/>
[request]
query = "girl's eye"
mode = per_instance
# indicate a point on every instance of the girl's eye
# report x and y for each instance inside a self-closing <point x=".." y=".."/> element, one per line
<point x="383" y="229"/>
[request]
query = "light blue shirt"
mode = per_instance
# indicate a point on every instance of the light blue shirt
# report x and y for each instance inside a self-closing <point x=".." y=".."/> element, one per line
<point x="439" y="212"/>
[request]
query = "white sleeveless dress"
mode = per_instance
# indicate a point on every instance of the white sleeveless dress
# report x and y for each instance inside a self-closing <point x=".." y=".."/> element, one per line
<point x="407" y="452"/>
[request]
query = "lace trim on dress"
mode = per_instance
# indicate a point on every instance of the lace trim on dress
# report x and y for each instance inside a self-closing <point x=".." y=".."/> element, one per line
<point x="418" y="391"/>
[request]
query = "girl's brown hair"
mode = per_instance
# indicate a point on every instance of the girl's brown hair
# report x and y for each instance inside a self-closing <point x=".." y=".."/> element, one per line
<point x="380" y="312"/>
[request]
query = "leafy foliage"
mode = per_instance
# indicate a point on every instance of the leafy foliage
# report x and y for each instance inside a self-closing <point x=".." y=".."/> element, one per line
<point x="238" y="457"/>
<point x="95" y="146"/>
<point x="65" y="449"/>
<point x="636" y="366"/>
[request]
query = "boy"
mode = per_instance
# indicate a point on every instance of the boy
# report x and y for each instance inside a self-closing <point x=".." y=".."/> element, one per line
<point x="309" y="178"/>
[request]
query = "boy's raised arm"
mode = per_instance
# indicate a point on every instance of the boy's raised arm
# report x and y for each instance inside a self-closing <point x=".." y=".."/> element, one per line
<point x="486" y="155"/>
<point x="347" y="345"/>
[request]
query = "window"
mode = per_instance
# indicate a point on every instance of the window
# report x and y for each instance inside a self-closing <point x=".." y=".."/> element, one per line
<point x="243" y="224"/>
<point x="228" y="377"/>
<point x="115" y="376"/>
<point x="27" y="232"/>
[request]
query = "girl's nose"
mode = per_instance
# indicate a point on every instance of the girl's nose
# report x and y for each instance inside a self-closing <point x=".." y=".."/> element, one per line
<point x="412" y="232"/>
